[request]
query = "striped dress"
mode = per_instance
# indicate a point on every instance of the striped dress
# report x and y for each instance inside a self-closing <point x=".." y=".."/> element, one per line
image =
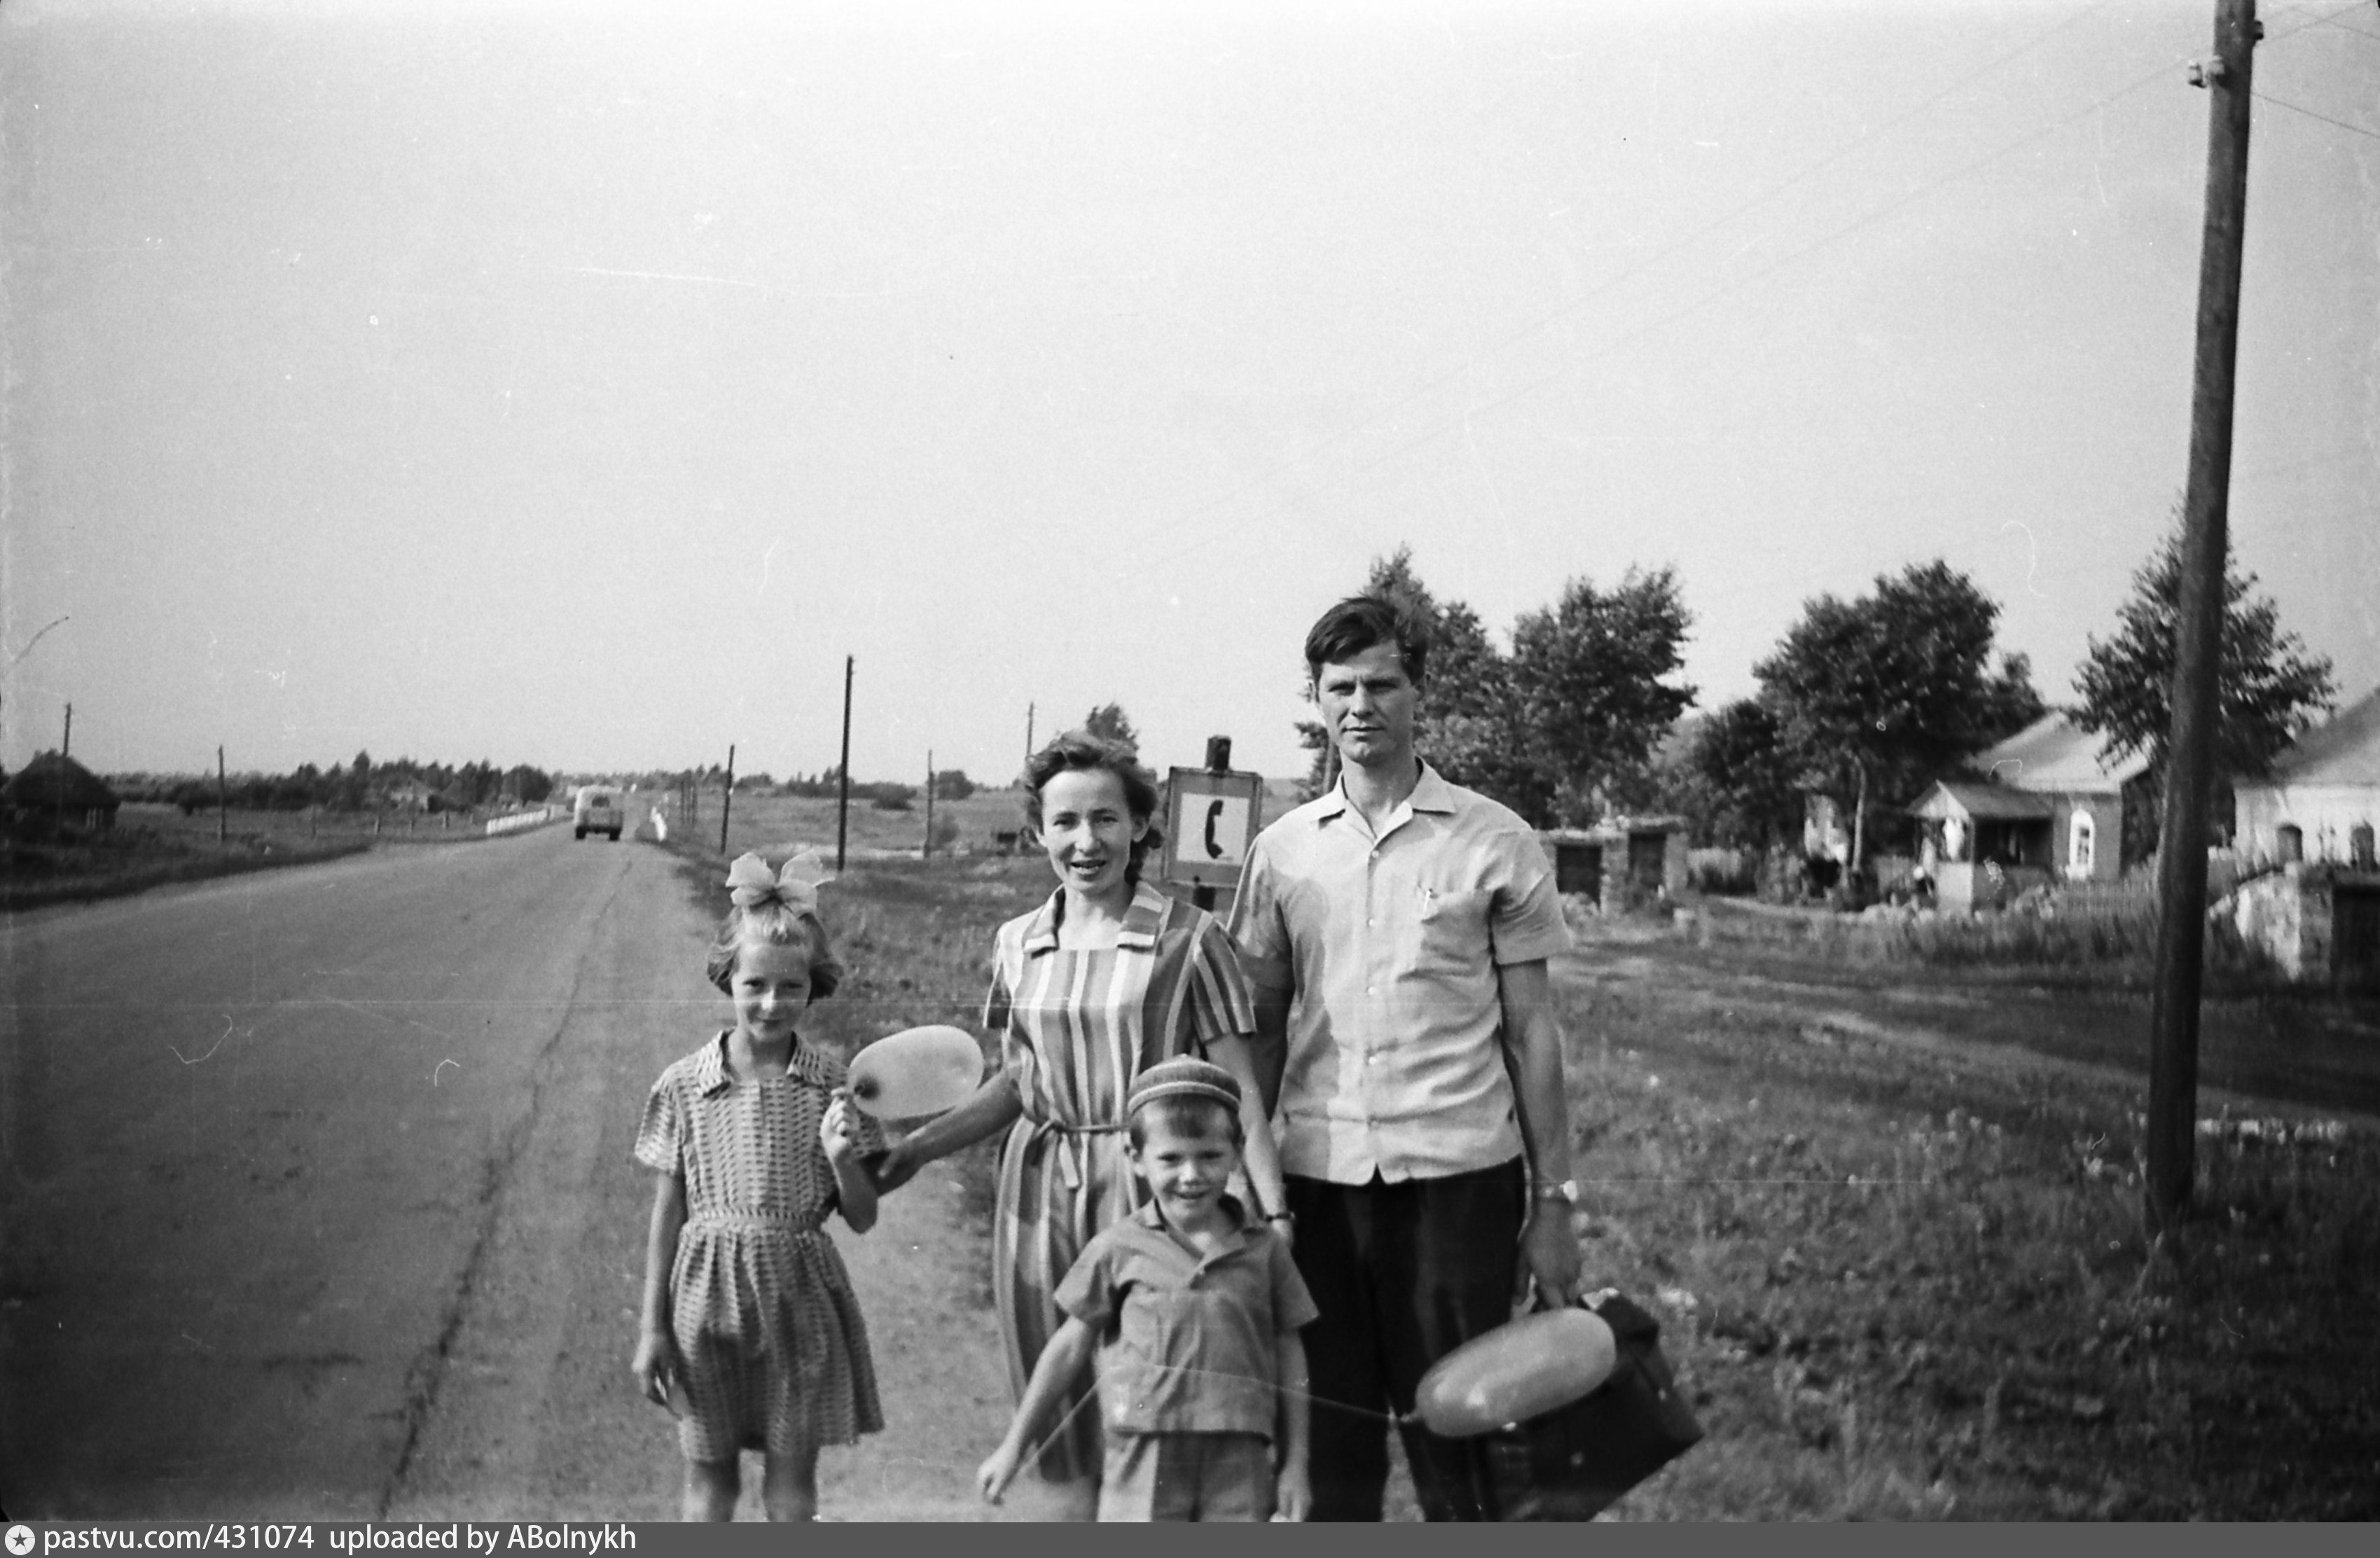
<point x="760" y="1307"/>
<point x="1076" y="1028"/>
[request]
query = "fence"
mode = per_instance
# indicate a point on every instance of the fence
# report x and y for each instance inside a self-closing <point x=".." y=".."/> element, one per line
<point x="512" y="822"/>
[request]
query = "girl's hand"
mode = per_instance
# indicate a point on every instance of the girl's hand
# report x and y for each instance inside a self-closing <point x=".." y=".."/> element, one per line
<point x="994" y="1476"/>
<point x="655" y="1365"/>
<point x="835" y="1127"/>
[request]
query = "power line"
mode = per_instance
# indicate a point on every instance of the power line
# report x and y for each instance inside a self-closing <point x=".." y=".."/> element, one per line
<point x="2356" y="130"/>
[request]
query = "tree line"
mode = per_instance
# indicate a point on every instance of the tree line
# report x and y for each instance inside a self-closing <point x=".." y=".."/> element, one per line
<point x="361" y="785"/>
<point x="1864" y="699"/>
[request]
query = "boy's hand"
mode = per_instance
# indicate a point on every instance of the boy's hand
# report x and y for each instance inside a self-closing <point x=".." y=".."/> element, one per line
<point x="655" y="1365"/>
<point x="1292" y="1491"/>
<point x="834" y="1128"/>
<point x="996" y="1473"/>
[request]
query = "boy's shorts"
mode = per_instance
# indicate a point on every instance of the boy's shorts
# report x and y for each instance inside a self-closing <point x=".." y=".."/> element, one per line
<point x="1188" y="1477"/>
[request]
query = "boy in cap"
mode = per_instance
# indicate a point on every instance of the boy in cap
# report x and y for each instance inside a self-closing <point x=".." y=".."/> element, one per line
<point x="1194" y="1308"/>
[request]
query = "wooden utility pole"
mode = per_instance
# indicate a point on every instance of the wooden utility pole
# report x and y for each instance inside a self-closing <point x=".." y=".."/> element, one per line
<point x="1028" y="733"/>
<point x="223" y="803"/>
<point x="66" y="743"/>
<point x="2198" y="629"/>
<point x="842" y="773"/>
<point x="726" y="797"/>
<point x="927" y="852"/>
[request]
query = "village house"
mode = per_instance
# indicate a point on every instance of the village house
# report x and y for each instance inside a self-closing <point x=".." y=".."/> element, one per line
<point x="2322" y="798"/>
<point x="2050" y="809"/>
<point x="2311" y="894"/>
<point x="55" y="791"/>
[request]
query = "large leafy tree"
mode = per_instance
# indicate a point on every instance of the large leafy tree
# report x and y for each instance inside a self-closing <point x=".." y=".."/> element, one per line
<point x="1588" y="670"/>
<point x="1880" y="694"/>
<point x="1740" y="778"/>
<point x="2267" y="687"/>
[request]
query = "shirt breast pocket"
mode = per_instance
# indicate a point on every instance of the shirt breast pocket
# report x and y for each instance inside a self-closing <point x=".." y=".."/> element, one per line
<point x="1453" y="930"/>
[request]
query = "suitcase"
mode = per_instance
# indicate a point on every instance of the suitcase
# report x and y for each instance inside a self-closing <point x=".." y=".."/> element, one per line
<point x="1573" y="1462"/>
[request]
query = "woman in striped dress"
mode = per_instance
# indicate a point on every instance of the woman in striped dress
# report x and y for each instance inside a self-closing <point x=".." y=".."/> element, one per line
<point x="1106" y="979"/>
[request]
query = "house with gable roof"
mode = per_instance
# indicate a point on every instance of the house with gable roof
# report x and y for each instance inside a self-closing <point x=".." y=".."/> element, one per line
<point x="2048" y="809"/>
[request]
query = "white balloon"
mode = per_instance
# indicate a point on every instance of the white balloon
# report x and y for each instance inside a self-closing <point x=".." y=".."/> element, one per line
<point x="1516" y="1371"/>
<point x="918" y="1071"/>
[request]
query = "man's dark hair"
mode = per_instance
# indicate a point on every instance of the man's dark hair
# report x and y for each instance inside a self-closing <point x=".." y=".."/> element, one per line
<point x="1360" y="622"/>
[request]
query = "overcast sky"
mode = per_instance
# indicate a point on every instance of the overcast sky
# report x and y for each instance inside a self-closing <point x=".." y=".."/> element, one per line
<point x="552" y="385"/>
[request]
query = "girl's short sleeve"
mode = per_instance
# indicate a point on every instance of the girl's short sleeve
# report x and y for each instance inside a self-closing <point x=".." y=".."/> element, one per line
<point x="660" y="1135"/>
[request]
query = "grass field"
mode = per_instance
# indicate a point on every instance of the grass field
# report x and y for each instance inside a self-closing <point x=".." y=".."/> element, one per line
<point x="1890" y="1218"/>
<point x="151" y="845"/>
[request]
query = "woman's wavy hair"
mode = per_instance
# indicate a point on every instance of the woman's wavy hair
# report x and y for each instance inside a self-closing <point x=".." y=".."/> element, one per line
<point x="773" y="924"/>
<point x="1081" y="752"/>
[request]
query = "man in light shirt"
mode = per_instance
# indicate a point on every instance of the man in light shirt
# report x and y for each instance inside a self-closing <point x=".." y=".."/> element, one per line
<point x="1396" y="931"/>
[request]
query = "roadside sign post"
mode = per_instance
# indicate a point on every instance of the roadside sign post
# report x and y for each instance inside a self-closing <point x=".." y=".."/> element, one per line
<point x="1212" y="814"/>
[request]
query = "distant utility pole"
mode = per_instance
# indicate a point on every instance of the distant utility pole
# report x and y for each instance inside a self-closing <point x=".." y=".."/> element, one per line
<point x="223" y="803"/>
<point x="842" y="774"/>
<point x="927" y="852"/>
<point x="726" y="797"/>
<point x="65" y="744"/>
<point x="2190" y="746"/>
<point x="1028" y="733"/>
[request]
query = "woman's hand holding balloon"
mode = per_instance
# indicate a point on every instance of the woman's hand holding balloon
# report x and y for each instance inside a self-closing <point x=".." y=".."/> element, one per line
<point x="892" y="1169"/>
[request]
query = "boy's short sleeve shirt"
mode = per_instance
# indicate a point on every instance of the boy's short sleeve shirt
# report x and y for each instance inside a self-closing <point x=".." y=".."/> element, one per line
<point x="1390" y="946"/>
<point x="1187" y="1346"/>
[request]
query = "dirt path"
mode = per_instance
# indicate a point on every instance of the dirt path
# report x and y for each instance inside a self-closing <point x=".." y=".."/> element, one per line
<point x="534" y="1414"/>
<point x="1968" y="1028"/>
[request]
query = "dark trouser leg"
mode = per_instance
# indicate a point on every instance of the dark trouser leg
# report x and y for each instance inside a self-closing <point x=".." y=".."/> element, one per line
<point x="1349" y="1458"/>
<point x="1462" y="1238"/>
<point x="1403" y="1273"/>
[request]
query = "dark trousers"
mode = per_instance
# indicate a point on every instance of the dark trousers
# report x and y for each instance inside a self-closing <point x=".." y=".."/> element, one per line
<point x="1403" y="1273"/>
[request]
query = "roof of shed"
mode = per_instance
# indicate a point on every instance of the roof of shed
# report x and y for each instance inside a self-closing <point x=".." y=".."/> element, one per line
<point x="1980" y="802"/>
<point x="53" y="780"/>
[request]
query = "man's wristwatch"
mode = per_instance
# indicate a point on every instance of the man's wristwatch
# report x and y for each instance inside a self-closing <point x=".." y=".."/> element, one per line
<point x="1547" y="1189"/>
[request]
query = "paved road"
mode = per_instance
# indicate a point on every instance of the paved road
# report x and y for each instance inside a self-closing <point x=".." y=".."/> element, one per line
<point x="255" y="1133"/>
<point x="318" y="1204"/>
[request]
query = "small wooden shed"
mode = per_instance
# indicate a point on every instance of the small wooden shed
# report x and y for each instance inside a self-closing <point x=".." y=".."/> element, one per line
<point x="1984" y="843"/>
<point x="53" y="790"/>
<point x="1620" y="863"/>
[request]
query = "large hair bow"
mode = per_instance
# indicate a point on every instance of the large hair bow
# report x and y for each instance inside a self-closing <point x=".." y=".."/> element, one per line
<point x="750" y="884"/>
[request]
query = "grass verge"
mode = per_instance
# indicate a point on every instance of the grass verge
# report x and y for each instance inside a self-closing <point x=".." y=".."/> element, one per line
<point x="130" y="861"/>
<point x="1904" y="1285"/>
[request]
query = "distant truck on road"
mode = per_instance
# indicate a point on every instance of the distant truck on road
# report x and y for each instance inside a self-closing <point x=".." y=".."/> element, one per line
<point x="596" y="809"/>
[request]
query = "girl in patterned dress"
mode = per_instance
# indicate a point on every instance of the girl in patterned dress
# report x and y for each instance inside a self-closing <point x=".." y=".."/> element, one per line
<point x="751" y="1334"/>
<point x="1105" y="979"/>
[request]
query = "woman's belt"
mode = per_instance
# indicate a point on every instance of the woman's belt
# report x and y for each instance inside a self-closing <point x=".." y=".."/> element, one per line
<point x="1071" y="1164"/>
